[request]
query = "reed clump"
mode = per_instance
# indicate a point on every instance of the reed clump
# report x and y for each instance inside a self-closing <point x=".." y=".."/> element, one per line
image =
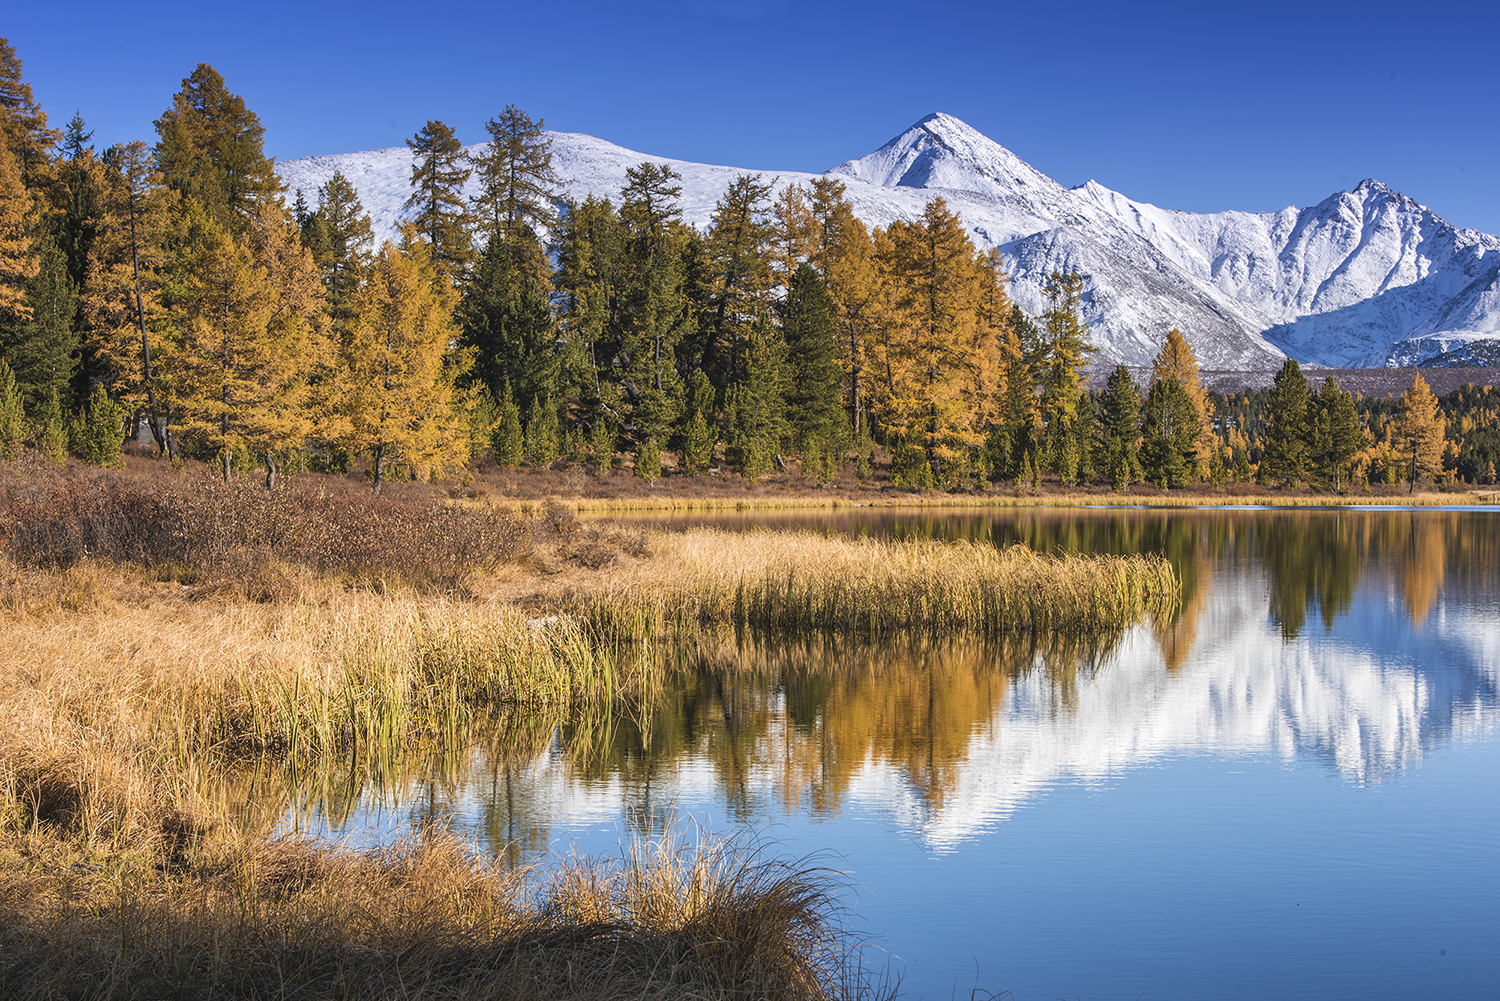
<point x="798" y="581"/>
<point x="423" y="919"/>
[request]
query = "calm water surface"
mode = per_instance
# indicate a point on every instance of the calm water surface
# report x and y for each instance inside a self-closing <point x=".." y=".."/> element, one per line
<point x="1290" y="789"/>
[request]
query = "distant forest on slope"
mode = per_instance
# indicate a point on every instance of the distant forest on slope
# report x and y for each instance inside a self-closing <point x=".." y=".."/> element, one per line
<point x="177" y="284"/>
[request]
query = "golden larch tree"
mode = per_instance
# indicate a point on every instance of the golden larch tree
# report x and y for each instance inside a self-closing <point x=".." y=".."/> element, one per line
<point x="400" y="366"/>
<point x="1419" y="432"/>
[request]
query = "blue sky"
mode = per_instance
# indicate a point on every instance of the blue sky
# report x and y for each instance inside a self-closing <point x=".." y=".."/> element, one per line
<point x="1202" y="106"/>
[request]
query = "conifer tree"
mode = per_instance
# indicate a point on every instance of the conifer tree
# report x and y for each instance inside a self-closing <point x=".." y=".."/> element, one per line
<point x="843" y="254"/>
<point x="1284" y="445"/>
<point x="96" y="435"/>
<point x="52" y="432"/>
<point x="1419" y="433"/>
<point x="400" y="376"/>
<point x="653" y="308"/>
<point x="518" y="188"/>
<point x="210" y="150"/>
<point x="341" y="239"/>
<point x="41" y="349"/>
<point x="23" y="124"/>
<point x="1169" y="434"/>
<point x="439" y="171"/>
<point x="509" y="441"/>
<point x="755" y="408"/>
<point x="1066" y="342"/>
<point x="254" y="337"/>
<point x="542" y="436"/>
<point x="507" y="321"/>
<point x="1176" y="360"/>
<point x="648" y="461"/>
<point x="1338" y="438"/>
<point x="1118" y="456"/>
<point x="1016" y="434"/>
<point x="796" y="234"/>
<point x="814" y="404"/>
<point x="12" y="414"/>
<point x="18" y="264"/>
<point x="935" y="352"/>
<point x="76" y="136"/>
<point x="739" y="237"/>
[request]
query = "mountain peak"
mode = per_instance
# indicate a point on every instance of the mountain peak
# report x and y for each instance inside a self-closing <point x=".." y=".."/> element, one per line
<point x="941" y="151"/>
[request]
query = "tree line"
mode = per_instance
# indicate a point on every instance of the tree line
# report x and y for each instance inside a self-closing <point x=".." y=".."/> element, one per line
<point x="179" y="285"/>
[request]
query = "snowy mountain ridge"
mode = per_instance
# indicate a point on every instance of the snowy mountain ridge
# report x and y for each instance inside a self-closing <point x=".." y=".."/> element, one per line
<point x="1366" y="277"/>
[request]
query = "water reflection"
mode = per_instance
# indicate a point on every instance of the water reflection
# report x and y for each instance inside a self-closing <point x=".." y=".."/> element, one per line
<point x="1362" y="639"/>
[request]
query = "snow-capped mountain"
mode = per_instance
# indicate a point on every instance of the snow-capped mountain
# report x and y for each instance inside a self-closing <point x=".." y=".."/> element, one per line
<point x="1364" y="278"/>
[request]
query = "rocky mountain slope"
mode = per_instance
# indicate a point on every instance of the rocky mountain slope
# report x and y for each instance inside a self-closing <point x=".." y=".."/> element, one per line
<point x="1367" y="277"/>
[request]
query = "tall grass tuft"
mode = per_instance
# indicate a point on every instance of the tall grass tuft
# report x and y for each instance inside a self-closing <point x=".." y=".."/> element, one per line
<point x="427" y="919"/>
<point x="793" y="582"/>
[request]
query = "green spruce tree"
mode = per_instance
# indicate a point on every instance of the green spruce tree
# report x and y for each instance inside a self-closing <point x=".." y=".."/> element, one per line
<point x="1285" y="452"/>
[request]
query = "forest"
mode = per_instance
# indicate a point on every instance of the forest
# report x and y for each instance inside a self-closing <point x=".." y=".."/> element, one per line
<point x="179" y="287"/>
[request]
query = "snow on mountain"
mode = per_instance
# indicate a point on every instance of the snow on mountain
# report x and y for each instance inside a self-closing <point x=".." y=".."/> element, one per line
<point x="1366" y="277"/>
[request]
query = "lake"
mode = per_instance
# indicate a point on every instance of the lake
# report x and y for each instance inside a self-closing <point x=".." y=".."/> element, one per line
<point x="1288" y="788"/>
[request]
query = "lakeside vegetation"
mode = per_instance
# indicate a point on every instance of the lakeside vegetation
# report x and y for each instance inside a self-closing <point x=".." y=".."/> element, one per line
<point x="164" y="627"/>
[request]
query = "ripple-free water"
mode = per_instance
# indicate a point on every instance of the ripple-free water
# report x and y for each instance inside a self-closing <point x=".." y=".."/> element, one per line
<point x="1290" y="790"/>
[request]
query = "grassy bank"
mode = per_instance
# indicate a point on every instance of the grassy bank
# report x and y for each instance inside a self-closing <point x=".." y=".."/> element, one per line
<point x="800" y="581"/>
<point x="159" y="629"/>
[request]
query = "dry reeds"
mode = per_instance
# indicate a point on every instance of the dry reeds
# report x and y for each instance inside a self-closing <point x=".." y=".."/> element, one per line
<point x="206" y="532"/>
<point x="425" y="918"/>
<point x="793" y="581"/>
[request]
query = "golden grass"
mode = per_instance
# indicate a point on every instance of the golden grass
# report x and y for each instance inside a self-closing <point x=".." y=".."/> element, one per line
<point x="424" y="918"/>
<point x="665" y="502"/>
<point x="798" y="581"/>
<point x="125" y="698"/>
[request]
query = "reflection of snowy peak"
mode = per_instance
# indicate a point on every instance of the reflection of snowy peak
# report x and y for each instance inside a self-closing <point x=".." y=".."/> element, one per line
<point x="1363" y="277"/>
<point x="1369" y="697"/>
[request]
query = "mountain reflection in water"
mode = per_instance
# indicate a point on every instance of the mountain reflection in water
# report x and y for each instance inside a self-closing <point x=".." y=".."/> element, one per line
<point x="1361" y="638"/>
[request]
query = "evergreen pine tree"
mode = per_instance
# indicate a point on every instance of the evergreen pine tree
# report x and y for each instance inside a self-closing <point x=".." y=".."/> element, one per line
<point x="97" y="433"/>
<point x="648" y="461"/>
<point x="41" y="349"/>
<point x="542" y="435"/>
<point x="1169" y="435"/>
<point x="438" y="173"/>
<point x="602" y="444"/>
<point x="509" y="441"/>
<point x="12" y="415"/>
<point x="341" y="240"/>
<point x="755" y="406"/>
<point x="1118" y="450"/>
<point x="739" y="236"/>
<point x="75" y="142"/>
<point x="653" y="307"/>
<point x="1284" y="445"/>
<point x="1066" y="345"/>
<point x="52" y="432"/>
<point x="814" y="403"/>
<point x="1339" y="437"/>
<point x="507" y="321"/>
<point x="484" y="418"/>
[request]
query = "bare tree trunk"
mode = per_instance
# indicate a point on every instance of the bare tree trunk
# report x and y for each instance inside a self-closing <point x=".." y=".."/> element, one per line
<point x="158" y="427"/>
<point x="379" y="466"/>
<point x="273" y="471"/>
